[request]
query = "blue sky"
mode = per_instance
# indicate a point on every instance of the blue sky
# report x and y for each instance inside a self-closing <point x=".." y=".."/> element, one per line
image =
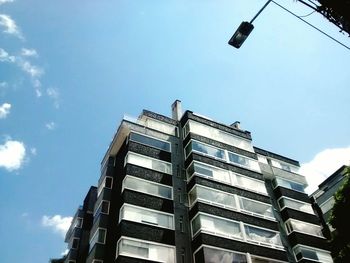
<point x="69" y="70"/>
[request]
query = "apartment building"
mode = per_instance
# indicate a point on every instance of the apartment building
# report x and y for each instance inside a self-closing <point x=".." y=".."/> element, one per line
<point x="189" y="189"/>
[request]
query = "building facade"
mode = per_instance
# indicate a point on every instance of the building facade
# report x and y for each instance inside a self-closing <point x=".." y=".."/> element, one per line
<point x="189" y="189"/>
<point x="323" y="198"/>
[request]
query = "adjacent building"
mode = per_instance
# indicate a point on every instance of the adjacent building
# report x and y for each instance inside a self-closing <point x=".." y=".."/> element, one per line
<point x="323" y="198"/>
<point x="189" y="189"/>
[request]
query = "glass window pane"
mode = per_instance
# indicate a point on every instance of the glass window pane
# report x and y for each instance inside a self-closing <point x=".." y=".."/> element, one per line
<point x="295" y="225"/>
<point x="218" y="226"/>
<point x="153" y="142"/>
<point x="147" y="187"/>
<point x="256" y="207"/>
<point x="251" y="184"/>
<point x="297" y="205"/>
<point x="289" y="184"/>
<point x="147" y="216"/>
<point x="209" y="150"/>
<point x="313" y="254"/>
<point x="212" y="255"/>
<point x="212" y="196"/>
<point x="219" y="135"/>
<point x="213" y="172"/>
<point x="148" y="162"/>
<point x="262" y="235"/>
<point x="146" y="250"/>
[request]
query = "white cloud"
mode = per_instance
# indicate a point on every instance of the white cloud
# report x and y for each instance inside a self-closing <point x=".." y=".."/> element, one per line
<point x="323" y="165"/>
<point x="29" y="52"/>
<point x="4" y="110"/>
<point x="12" y="154"/>
<point x="5" y="57"/>
<point x="54" y="95"/>
<point x="65" y="252"/>
<point x="10" y="26"/>
<point x="5" y="1"/>
<point x="50" y="125"/>
<point x="58" y="223"/>
<point x="32" y="70"/>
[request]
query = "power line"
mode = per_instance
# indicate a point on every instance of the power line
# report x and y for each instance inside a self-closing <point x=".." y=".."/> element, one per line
<point x="308" y="14"/>
<point x="324" y="33"/>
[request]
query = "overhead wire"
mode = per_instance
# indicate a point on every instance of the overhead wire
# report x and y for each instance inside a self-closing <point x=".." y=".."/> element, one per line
<point x="299" y="17"/>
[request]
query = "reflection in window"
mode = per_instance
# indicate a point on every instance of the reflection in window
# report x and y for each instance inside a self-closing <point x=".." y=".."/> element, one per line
<point x="252" y="184"/>
<point x="229" y="201"/>
<point x="262" y="235"/>
<point x="288" y="184"/>
<point x="226" y="176"/>
<point x="212" y="196"/>
<point x="148" y="162"/>
<point x="146" y="216"/>
<point x="300" y="226"/>
<point x="294" y="204"/>
<point x="153" y="142"/>
<point x="218" y="135"/>
<point x="212" y="255"/>
<point x="255" y="207"/>
<point x="146" y="250"/>
<point x="216" y="226"/>
<point x="209" y="150"/>
<point x="209" y="171"/>
<point x="285" y="166"/>
<point x="147" y="187"/>
<point x="303" y="252"/>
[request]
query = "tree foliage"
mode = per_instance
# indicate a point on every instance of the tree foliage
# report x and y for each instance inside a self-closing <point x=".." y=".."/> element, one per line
<point x="340" y="221"/>
<point x="337" y="12"/>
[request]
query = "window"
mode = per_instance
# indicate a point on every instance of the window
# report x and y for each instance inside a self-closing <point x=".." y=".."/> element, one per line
<point x="145" y="250"/>
<point x="217" y="134"/>
<point x="255" y="207"/>
<point x="224" y="155"/>
<point x="229" y="201"/>
<point x="212" y="196"/>
<point x="106" y="183"/>
<point x="204" y="149"/>
<point x="75" y="243"/>
<point x="226" y="176"/>
<point x="294" y="204"/>
<point x="212" y="255"/>
<point x="147" y="187"/>
<point x="148" y="162"/>
<point x="153" y="142"/>
<point x="304" y="252"/>
<point x="306" y="228"/>
<point x="327" y="205"/>
<point x="260" y="235"/>
<point x="284" y="166"/>
<point x="216" y="226"/>
<point x="278" y="181"/>
<point x="78" y="223"/>
<point x="209" y="171"/>
<point x="186" y="130"/>
<point x="103" y="208"/>
<point x="250" y="183"/>
<point x="98" y="237"/>
<point x="146" y="216"/>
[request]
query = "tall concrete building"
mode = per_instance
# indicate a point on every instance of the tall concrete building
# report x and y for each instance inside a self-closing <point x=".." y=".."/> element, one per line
<point x="189" y="189"/>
